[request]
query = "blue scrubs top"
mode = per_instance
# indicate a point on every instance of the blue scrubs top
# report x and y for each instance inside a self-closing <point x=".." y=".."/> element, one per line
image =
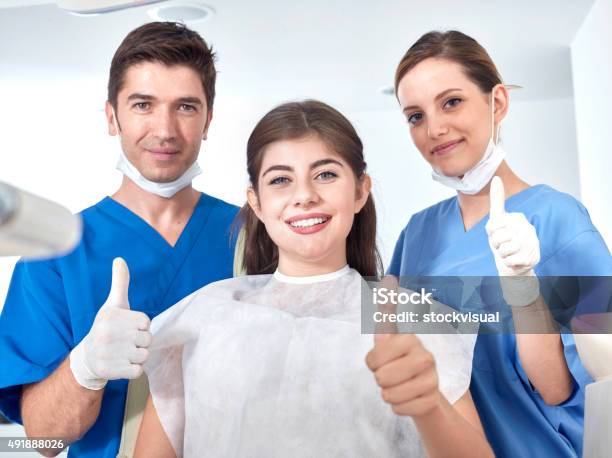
<point x="51" y="304"/>
<point x="516" y="420"/>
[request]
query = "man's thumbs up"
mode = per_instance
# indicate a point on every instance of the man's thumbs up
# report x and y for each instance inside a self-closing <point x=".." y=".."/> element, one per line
<point x="120" y="283"/>
<point x="116" y="346"/>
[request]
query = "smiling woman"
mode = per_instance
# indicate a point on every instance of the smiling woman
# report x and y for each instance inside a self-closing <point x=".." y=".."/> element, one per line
<point x="529" y="388"/>
<point x="446" y="89"/>
<point x="305" y="161"/>
<point x="280" y="358"/>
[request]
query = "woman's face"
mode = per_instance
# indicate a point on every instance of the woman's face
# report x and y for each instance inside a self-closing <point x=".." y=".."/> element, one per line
<point x="449" y="116"/>
<point x="307" y="199"/>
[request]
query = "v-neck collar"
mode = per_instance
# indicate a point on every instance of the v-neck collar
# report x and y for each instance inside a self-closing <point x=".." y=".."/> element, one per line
<point x="167" y="261"/>
<point x="510" y="204"/>
<point x="151" y="235"/>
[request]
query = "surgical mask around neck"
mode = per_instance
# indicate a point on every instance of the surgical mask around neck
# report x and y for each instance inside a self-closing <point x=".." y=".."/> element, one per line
<point x="166" y="190"/>
<point x="475" y="179"/>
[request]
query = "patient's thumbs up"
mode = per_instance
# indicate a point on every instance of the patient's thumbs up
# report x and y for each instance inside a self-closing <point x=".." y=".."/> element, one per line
<point x="384" y="328"/>
<point x="497" y="196"/>
<point x="120" y="283"/>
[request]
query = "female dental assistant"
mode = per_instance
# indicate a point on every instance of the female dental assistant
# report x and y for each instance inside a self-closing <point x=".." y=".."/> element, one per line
<point x="528" y="388"/>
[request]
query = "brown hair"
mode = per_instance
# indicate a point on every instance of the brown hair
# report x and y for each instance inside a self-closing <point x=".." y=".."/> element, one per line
<point x="457" y="47"/>
<point x="297" y="120"/>
<point x="169" y="43"/>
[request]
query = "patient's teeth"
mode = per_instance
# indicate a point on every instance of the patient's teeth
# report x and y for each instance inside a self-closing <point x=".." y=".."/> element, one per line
<point x="308" y="222"/>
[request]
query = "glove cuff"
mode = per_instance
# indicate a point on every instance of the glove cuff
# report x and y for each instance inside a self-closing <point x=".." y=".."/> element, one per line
<point x="520" y="290"/>
<point x="82" y="374"/>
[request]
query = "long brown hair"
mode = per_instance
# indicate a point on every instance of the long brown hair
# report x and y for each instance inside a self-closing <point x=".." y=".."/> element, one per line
<point x="292" y="121"/>
<point x="454" y="46"/>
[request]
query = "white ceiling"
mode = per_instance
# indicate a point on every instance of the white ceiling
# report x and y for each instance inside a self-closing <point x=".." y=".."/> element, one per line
<point x="340" y="51"/>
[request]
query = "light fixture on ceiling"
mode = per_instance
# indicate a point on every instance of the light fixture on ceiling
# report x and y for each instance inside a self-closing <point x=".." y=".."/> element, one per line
<point x="180" y="11"/>
<point x="94" y="7"/>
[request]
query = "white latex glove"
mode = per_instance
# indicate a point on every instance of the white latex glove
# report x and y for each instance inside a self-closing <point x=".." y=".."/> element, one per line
<point x="116" y="346"/>
<point x="516" y="249"/>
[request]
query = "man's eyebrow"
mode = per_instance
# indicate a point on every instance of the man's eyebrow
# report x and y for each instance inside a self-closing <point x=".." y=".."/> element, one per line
<point x="314" y="165"/>
<point x="192" y="100"/>
<point x="437" y="97"/>
<point x="139" y="96"/>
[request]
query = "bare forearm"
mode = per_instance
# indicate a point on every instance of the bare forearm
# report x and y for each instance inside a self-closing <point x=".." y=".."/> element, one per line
<point x="59" y="407"/>
<point x="541" y="352"/>
<point x="543" y="360"/>
<point x="152" y="441"/>
<point x="446" y="433"/>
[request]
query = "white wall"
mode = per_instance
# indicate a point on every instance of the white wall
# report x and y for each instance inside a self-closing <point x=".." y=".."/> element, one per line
<point x="56" y="145"/>
<point x="592" y="75"/>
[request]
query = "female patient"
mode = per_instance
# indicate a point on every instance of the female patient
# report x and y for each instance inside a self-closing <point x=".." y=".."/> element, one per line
<point x="272" y="364"/>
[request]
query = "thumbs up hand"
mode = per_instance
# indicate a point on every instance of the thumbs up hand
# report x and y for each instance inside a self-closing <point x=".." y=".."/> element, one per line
<point x="403" y="368"/>
<point x="515" y="246"/>
<point x="116" y="346"/>
<point x="406" y="373"/>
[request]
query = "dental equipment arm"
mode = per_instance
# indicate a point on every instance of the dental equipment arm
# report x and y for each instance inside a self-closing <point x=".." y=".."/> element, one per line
<point x="33" y="227"/>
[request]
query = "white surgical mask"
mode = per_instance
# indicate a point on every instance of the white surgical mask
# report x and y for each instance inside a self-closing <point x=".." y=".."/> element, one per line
<point x="166" y="190"/>
<point x="475" y="179"/>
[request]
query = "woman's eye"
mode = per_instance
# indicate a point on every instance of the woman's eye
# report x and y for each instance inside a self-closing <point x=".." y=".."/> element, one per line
<point x="327" y="175"/>
<point x="279" y="180"/>
<point x="414" y="118"/>
<point x="453" y="102"/>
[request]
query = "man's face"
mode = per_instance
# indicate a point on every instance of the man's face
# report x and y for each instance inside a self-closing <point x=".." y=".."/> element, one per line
<point x="162" y="117"/>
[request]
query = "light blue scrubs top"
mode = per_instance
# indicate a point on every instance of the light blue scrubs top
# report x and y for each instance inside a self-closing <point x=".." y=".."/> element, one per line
<point x="51" y="304"/>
<point x="516" y="420"/>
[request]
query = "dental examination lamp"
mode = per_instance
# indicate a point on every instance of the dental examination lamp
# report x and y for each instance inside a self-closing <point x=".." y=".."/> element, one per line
<point x="34" y="227"/>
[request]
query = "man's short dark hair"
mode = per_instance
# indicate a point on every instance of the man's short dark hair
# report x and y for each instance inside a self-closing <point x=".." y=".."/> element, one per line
<point x="169" y="43"/>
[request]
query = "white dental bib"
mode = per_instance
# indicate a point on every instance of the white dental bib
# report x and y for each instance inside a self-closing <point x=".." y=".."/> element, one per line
<point x="265" y="366"/>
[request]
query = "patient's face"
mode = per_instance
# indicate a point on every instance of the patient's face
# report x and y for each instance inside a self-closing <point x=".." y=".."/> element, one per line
<point x="307" y="199"/>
